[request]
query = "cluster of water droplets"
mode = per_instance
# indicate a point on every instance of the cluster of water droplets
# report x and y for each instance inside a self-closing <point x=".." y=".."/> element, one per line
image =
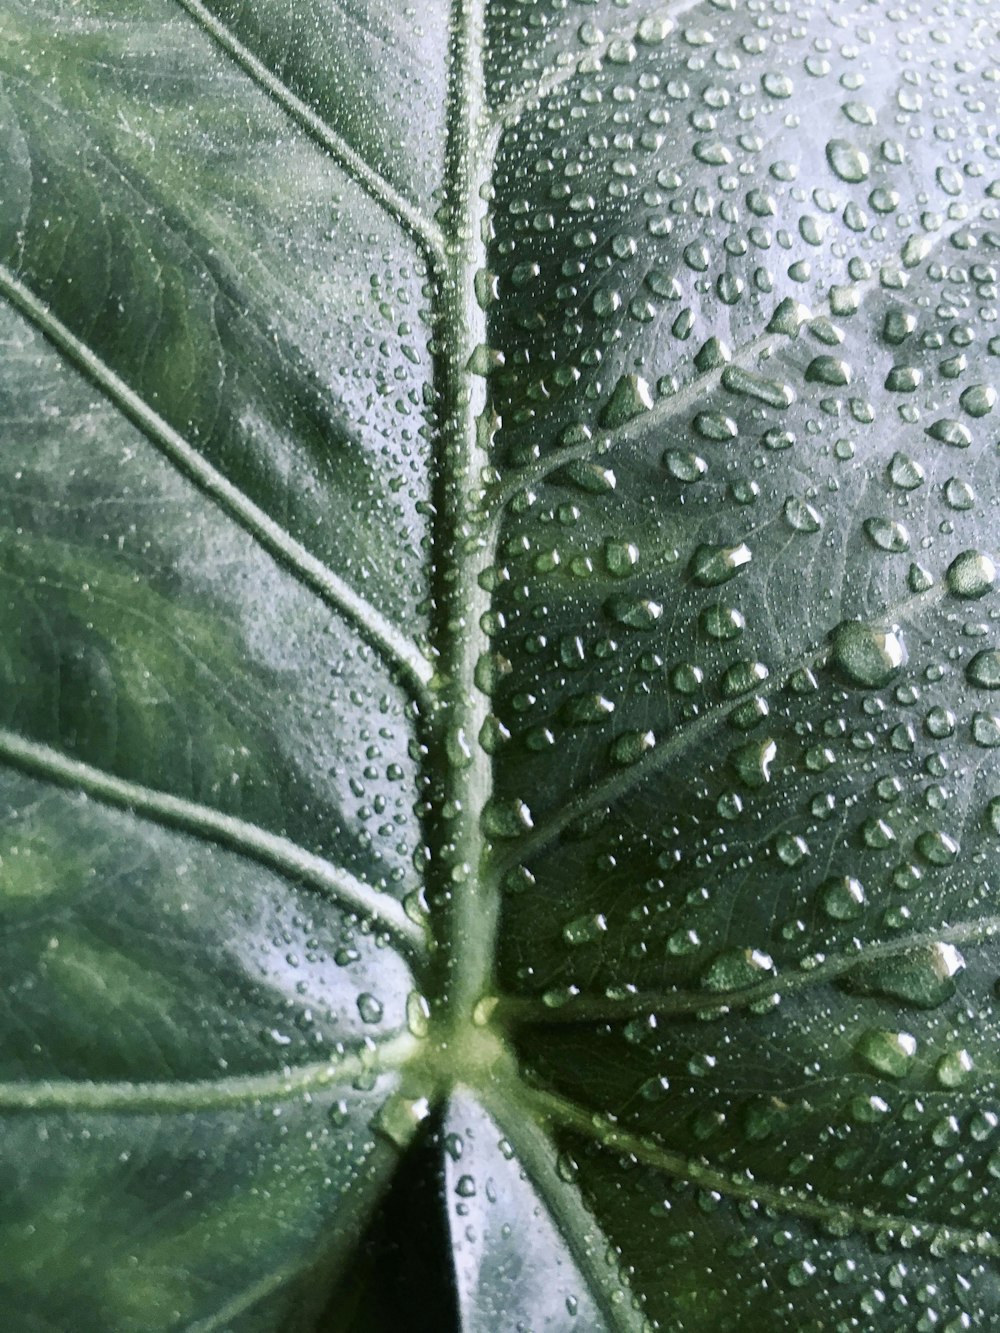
<point x="744" y="649"/>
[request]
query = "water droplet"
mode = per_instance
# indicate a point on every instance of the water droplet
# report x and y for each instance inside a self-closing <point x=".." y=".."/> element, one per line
<point x="887" y="535"/>
<point x="978" y="399"/>
<point x="984" y="670"/>
<point x="715" y="426"/>
<point x="953" y="1068"/>
<point x="506" y="818"/>
<point x="712" y="354"/>
<point x="904" y="472"/>
<point x="792" y="848"/>
<point x="986" y="730"/>
<point x="722" y="622"/>
<point x="842" y="898"/>
<point x="742" y="677"/>
<point x="635" y="612"/>
<point x="950" y="432"/>
<point x="631" y="398"/>
<point x="923" y="977"/>
<point x="800" y="516"/>
<point x="866" y="656"/>
<point x="738" y="968"/>
<point x="889" y="1053"/>
<point x="620" y="557"/>
<point x="788" y="316"/>
<point x="829" y="370"/>
<point x="369" y="1008"/>
<point x="904" y="379"/>
<point x="685" y="466"/>
<point x="847" y="161"/>
<point x="630" y="747"/>
<point x="712" y="565"/>
<point x="400" y="1116"/>
<point x="418" y="1014"/>
<point x="585" y="929"/>
<point x="776" y="84"/>
<point x="583" y="709"/>
<point x="592" y="478"/>
<point x="752" y="762"/>
<point x="970" y="575"/>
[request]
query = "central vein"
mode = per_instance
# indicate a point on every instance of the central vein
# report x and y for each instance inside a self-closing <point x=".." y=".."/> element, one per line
<point x="462" y="899"/>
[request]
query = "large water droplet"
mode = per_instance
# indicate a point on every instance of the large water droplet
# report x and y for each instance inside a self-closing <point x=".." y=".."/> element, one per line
<point x="970" y="575"/>
<point x="886" y="1052"/>
<point x="865" y="655"/>
<point x="711" y="565"/>
<point x="847" y="161"/>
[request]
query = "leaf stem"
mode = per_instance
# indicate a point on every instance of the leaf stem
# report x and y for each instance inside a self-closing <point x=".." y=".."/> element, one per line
<point x="590" y="1248"/>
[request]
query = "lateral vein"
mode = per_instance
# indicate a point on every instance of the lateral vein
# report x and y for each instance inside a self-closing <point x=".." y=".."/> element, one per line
<point x="511" y="112"/>
<point x="238" y="835"/>
<point x="398" y="650"/>
<point x="665" y="409"/>
<point x="563" y="1112"/>
<point x="422" y="229"/>
<point x="204" y="1094"/>
<point x="604" y="1009"/>
<point x="565" y="1205"/>
<point x="593" y="796"/>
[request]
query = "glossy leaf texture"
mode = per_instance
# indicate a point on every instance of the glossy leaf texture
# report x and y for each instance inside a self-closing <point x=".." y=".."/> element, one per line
<point x="499" y="722"/>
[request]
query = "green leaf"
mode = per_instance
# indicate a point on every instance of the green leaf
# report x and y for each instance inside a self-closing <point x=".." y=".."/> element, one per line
<point x="499" y="743"/>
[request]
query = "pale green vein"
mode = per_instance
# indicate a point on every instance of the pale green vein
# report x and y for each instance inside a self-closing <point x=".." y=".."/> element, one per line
<point x="560" y="1111"/>
<point x="591" y="1251"/>
<point x="619" y="1008"/>
<point x="238" y="835"/>
<point x="398" y="650"/>
<point x="422" y="229"/>
<point x="460" y="767"/>
<point x="597" y="794"/>
<point x="206" y="1094"/>
<point x="666" y="409"/>
<point x="602" y="440"/>
<point x="589" y="62"/>
<point x="253" y="1295"/>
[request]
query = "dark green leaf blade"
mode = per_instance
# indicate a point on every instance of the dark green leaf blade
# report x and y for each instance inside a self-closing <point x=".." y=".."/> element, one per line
<point x="749" y="735"/>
